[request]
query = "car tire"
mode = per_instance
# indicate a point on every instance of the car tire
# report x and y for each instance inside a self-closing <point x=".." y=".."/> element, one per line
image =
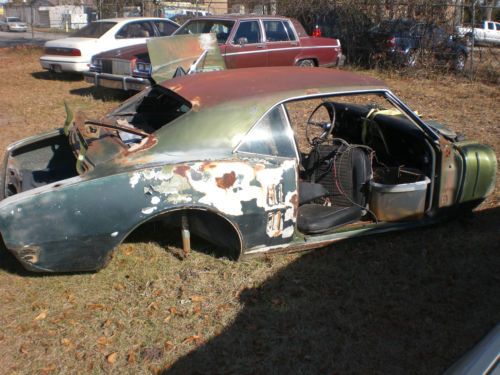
<point x="306" y="63"/>
<point x="460" y="61"/>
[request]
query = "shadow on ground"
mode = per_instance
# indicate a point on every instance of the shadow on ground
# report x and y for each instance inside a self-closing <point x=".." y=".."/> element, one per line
<point x="52" y="76"/>
<point x="405" y="303"/>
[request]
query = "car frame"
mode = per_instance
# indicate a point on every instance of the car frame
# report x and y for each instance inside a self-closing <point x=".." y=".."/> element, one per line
<point x="224" y="164"/>
<point x="300" y="49"/>
<point x="74" y="53"/>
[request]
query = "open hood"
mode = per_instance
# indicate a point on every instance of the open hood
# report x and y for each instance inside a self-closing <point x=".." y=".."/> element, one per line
<point x="193" y="53"/>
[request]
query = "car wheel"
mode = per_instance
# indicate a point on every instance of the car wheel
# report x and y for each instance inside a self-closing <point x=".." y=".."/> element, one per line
<point x="307" y="63"/>
<point x="460" y="61"/>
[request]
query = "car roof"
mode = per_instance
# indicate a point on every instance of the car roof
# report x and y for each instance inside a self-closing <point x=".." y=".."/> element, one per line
<point x="226" y="104"/>
<point x="273" y="84"/>
<point x="127" y="19"/>
<point x="240" y="16"/>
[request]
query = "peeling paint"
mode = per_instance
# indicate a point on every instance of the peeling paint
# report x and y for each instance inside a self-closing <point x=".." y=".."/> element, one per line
<point x="226" y="186"/>
<point x="149" y="210"/>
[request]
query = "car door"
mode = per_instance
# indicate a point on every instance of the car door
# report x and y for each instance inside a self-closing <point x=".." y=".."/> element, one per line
<point x="282" y="47"/>
<point x="246" y="48"/>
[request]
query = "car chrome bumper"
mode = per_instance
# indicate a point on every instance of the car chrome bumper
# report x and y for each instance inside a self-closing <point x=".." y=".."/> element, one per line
<point x="114" y="81"/>
<point x="58" y="66"/>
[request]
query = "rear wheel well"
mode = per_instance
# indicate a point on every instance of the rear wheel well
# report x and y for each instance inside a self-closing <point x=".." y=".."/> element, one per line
<point x="305" y="61"/>
<point x="210" y="232"/>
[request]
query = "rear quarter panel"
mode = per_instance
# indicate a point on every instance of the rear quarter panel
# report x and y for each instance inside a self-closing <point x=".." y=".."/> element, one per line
<point x="324" y="50"/>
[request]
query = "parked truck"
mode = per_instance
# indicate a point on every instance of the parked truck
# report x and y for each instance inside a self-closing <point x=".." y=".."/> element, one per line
<point x="486" y="33"/>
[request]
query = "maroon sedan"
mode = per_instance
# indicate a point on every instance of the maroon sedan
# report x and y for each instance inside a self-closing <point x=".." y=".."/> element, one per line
<point x="244" y="41"/>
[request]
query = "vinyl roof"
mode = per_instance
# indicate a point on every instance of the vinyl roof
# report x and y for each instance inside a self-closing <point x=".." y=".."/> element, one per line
<point x="266" y="84"/>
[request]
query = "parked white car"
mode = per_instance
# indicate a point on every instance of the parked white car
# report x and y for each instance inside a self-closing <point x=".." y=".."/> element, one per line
<point x="486" y="33"/>
<point x="73" y="54"/>
<point x="12" y="24"/>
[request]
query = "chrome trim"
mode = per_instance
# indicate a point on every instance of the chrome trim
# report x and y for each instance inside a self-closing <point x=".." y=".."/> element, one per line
<point x="99" y="79"/>
<point x="276" y="49"/>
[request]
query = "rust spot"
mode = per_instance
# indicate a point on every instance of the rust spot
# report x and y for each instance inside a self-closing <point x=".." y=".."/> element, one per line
<point x="226" y="181"/>
<point x="196" y="103"/>
<point x="208" y="165"/>
<point x="148" y="143"/>
<point x="259" y="167"/>
<point x="295" y="201"/>
<point x="176" y="87"/>
<point x="181" y="170"/>
<point x="312" y="91"/>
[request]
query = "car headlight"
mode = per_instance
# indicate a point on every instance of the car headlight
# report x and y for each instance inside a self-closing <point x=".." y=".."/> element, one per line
<point x="143" y="67"/>
<point x="96" y="62"/>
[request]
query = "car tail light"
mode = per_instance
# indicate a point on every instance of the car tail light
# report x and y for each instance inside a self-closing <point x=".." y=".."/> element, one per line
<point x="61" y="51"/>
<point x="391" y="42"/>
<point x="316" y="32"/>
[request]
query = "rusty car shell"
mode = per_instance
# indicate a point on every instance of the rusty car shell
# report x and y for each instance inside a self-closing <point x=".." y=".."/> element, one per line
<point x="194" y="166"/>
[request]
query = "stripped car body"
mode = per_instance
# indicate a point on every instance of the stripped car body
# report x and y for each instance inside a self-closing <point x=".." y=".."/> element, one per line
<point x="196" y="149"/>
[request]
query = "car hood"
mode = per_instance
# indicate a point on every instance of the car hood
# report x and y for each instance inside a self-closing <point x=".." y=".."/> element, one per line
<point x="126" y="53"/>
<point x="169" y="53"/>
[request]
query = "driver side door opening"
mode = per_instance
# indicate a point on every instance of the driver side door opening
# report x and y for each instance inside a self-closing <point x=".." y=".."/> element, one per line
<point x="361" y="161"/>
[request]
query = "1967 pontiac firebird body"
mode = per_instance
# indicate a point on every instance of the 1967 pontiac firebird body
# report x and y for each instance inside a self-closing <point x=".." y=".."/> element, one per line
<point x="253" y="160"/>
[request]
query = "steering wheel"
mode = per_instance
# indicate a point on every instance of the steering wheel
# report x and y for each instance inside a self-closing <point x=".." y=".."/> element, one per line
<point x="326" y="126"/>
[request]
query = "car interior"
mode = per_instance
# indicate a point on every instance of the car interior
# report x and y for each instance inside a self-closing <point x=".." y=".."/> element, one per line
<point x="359" y="162"/>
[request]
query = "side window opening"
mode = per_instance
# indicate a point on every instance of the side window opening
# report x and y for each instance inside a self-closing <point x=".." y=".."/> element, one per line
<point x="135" y="30"/>
<point x="275" y="31"/>
<point x="249" y="30"/>
<point x="271" y="136"/>
<point x="289" y="30"/>
<point x="165" y="28"/>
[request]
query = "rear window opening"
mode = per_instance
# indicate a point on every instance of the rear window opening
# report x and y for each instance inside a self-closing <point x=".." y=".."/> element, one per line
<point x="149" y="111"/>
<point x="93" y="30"/>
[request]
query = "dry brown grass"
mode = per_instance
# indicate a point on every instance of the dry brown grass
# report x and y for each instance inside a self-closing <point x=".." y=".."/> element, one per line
<point x="409" y="302"/>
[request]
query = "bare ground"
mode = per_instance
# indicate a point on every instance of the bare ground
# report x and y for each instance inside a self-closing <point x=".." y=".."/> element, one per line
<point x="410" y="302"/>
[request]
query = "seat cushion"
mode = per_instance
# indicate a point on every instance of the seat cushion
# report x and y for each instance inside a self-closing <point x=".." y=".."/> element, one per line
<point x="315" y="218"/>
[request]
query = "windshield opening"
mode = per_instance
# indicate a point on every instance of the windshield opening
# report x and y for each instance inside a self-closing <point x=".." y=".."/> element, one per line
<point x="221" y="28"/>
<point x="94" y="30"/>
<point x="13" y="19"/>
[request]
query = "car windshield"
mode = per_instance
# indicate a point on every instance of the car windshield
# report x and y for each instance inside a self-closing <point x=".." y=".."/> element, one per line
<point x="13" y="19"/>
<point x="94" y="30"/>
<point x="222" y="28"/>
